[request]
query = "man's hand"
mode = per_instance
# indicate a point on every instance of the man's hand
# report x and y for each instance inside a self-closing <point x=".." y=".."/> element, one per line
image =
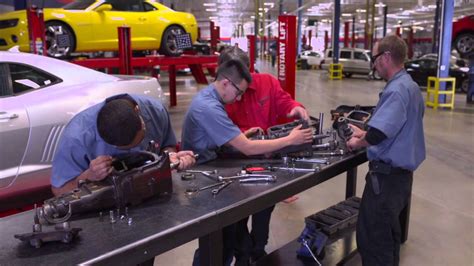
<point x="184" y="158"/>
<point x="355" y="143"/>
<point x="100" y="168"/>
<point x="300" y="112"/>
<point x="299" y="136"/>
<point x="252" y="131"/>
<point x="357" y="132"/>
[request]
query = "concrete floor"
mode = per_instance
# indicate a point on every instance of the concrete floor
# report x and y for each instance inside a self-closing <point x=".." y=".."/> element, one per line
<point x="442" y="213"/>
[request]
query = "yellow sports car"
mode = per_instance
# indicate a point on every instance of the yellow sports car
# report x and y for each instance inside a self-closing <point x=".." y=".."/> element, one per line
<point x="91" y="25"/>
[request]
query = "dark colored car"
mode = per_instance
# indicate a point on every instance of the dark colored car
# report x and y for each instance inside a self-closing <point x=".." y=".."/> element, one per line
<point x="421" y="69"/>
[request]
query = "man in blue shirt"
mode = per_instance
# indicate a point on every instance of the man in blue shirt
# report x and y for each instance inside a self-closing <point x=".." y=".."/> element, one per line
<point x="120" y="124"/>
<point x="207" y="127"/>
<point x="395" y="148"/>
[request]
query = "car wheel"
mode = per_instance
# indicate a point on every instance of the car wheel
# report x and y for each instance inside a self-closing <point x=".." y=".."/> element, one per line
<point x="60" y="39"/>
<point x="464" y="44"/>
<point x="168" y="41"/>
<point x="347" y="75"/>
<point x="375" y="75"/>
<point x="464" y="85"/>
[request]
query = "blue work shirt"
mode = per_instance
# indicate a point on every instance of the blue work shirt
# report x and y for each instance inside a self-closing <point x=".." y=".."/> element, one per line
<point x="399" y="115"/>
<point x="81" y="143"/>
<point x="207" y="125"/>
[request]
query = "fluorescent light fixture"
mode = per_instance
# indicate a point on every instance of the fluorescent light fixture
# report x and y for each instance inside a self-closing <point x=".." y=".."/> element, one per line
<point x="209" y="4"/>
<point x="346" y="15"/>
<point x="212" y="18"/>
<point x="211" y="9"/>
<point x="380" y="4"/>
<point x="360" y="10"/>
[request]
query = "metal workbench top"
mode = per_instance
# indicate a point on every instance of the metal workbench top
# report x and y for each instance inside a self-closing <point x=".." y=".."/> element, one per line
<point x="164" y="223"/>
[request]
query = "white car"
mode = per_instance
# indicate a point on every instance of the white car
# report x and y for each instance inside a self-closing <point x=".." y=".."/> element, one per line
<point x="353" y="60"/>
<point x="39" y="95"/>
<point x="312" y="58"/>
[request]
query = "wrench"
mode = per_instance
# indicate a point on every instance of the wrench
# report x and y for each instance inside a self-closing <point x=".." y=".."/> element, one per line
<point x="227" y="178"/>
<point x="256" y="179"/>
<point x="192" y="191"/>
<point x="217" y="190"/>
<point x="291" y="169"/>
<point x="312" y="160"/>
<point x="333" y="153"/>
<point x="204" y="173"/>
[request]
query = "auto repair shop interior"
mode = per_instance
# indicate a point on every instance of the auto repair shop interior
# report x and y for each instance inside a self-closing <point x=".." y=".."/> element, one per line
<point x="60" y="57"/>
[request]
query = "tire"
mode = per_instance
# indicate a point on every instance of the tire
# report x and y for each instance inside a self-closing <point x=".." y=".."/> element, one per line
<point x="464" y="43"/>
<point x="375" y="75"/>
<point x="347" y="75"/>
<point x="168" y="41"/>
<point x="60" y="40"/>
<point x="464" y="85"/>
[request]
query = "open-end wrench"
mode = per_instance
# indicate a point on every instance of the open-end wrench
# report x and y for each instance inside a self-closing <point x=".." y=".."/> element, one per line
<point x="194" y="190"/>
<point x="217" y="190"/>
<point x="205" y="173"/>
<point x="227" y="178"/>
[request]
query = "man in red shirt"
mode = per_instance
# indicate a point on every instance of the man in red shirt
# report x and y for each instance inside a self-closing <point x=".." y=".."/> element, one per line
<point x="263" y="105"/>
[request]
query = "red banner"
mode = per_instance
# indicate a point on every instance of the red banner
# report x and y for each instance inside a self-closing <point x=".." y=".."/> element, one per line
<point x="287" y="53"/>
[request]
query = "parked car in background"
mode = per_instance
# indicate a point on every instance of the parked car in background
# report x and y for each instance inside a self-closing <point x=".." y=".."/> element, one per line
<point x="38" y="96"/>
<point x="353" y="60"/>
<point x="91" y="25"/>
<point x="463" y="35"/>
<point x="421" y="69"/>
<point x="311" y="58"/>
<point x="453" y="60"/>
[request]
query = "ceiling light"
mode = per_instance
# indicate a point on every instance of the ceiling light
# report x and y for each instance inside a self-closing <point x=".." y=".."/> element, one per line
<point x="346" y="15"/>
<point x="209" y="4"/>
<point x="360" y="10"/>
<point x="211" y="9"/>
<point x="380" y="4"/>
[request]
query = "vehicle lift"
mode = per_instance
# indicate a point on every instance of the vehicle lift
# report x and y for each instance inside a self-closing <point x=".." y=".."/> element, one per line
<point x="126" y="63"/>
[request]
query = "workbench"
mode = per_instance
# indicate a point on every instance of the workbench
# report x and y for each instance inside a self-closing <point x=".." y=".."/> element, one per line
<point x="161" y="224"/>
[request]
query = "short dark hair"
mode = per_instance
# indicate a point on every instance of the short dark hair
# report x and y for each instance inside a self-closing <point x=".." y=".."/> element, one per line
<point x="118" y="122"/>
<point x="396" y="46"/>
<point x="233" y="52"/>
<point x="235" y="70"/>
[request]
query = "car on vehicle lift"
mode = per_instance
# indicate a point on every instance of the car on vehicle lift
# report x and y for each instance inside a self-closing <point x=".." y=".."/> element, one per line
<point x="463" y="35"/>
<point x="421" y="69"/>
<point x="91" y="25"/>
<point x="38" y="96"/>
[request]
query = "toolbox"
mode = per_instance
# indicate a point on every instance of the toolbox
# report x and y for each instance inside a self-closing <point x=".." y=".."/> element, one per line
<point x="335" y="218"/>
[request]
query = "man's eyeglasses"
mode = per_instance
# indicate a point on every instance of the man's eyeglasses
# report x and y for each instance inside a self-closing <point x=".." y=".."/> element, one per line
<point x="239" y="91"/>
<point x="373" y="58"/>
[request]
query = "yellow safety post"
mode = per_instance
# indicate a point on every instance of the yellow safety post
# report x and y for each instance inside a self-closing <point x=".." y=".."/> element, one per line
<point x="335" y="71"/>
<point x="433" y="92"/>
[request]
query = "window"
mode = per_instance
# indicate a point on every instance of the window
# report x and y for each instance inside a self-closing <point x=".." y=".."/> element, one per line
<point x="25" y="78"/>
<point x="126" y="5"/>
<point x="148" y="7"/>
<point x="79" y="4"/>
<point x="345" y="54"/>
<point x="330" y="53"/>
<point x="360" y="56"/>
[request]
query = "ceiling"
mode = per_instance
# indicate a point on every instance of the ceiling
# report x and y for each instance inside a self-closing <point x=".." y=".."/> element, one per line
<point x="233" y="12"/>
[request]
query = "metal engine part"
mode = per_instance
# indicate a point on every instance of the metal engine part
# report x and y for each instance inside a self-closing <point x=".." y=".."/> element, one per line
<point x="136" y="177"/>
<point x="341" y="125"/>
